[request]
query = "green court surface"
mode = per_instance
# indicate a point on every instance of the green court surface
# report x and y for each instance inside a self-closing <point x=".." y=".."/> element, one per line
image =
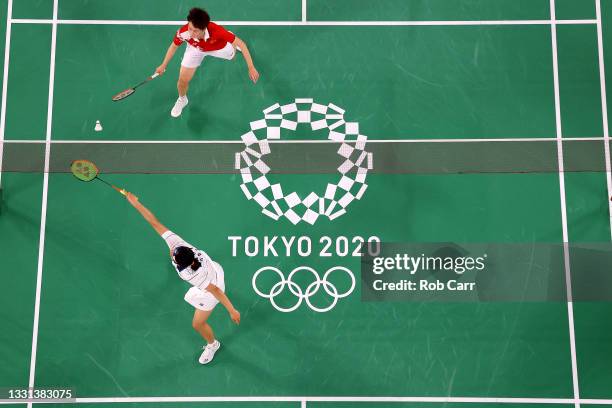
<point x="86" y="283"/>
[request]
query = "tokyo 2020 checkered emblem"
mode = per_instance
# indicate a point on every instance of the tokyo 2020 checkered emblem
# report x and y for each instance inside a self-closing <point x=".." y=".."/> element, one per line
<point x="332" y="200"/>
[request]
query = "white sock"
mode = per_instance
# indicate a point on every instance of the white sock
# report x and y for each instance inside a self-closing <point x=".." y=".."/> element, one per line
<point x="182" y="98"/>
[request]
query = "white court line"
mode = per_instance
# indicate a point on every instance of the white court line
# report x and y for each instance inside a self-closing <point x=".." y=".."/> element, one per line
<point x="311" y="23"/>
<point x="43" y="210"/>
<point x="7" y="56"/>
<point x="281" y="141"/>
<point x="604" y="108"/>
<point x="337" y="23"/>
<point x="304" y="9"/>
<point x="566" y="254"/>
<point x="477" y="400"/>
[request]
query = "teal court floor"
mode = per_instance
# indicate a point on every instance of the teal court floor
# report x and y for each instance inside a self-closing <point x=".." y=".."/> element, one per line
<point x="90" y="301"/>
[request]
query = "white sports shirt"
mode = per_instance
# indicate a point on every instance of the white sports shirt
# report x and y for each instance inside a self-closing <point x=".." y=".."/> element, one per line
<point x="204" y="275"/>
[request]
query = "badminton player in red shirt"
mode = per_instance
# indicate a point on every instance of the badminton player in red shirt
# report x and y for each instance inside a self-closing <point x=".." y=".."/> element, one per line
<point x="203" y="38"/>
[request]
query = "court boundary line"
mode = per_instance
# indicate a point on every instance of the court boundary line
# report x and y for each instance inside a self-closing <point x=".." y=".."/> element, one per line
<point x="604" y="107"/>
<point x="281" y="141"/>
<point x="304" y="10"/>
<point x="7" y="57"/>
<point x="43" y="209"/>
<point x="304" y="399"/>
<point x="562" y="197"/>
<point x="310" y="22"/>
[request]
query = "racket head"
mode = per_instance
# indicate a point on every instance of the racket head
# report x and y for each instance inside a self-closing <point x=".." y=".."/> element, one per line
<point x="123" y="94"/>
<point x="84" y="170"/>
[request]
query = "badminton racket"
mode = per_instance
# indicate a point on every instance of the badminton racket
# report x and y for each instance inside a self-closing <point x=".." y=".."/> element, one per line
<point x="124" y="94"/>
<point x="85" y="170"/>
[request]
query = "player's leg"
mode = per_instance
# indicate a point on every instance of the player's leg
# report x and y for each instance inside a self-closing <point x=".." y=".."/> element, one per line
<point x="204" y="303"/>
<point x="190" y="63"/>
<point x="200" y="325"/>
<point x="185" y="76"/>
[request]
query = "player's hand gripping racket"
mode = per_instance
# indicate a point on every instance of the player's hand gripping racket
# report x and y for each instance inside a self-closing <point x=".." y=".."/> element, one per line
<point x="85" y="170"/>
<point x="124" y="94"/>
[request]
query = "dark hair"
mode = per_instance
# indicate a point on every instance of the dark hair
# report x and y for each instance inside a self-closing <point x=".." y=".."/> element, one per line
<point x="183" y="256"/>
<point x="199" y="18"/>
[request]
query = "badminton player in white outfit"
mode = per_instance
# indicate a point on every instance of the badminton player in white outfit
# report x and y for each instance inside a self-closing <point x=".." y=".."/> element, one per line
<point x="205" y="276"/>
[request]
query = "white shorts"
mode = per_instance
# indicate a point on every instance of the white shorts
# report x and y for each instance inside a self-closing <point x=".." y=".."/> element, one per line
<point x="193" y="57"/>
<point x="202" y="300"/>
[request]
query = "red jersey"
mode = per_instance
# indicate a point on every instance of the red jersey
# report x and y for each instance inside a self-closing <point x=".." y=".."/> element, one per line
<point x="215" y="37"/>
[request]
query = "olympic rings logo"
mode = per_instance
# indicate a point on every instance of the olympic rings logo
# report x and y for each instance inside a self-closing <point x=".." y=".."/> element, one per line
<point x="298" y="292"/>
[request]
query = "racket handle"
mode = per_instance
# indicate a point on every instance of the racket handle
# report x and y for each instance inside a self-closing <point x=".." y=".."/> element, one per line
<point x="155" y="75"/>
<point x="120" y="190"/>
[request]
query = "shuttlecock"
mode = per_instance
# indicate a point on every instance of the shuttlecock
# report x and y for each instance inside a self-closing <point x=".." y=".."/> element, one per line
<point x="98" y="127"/>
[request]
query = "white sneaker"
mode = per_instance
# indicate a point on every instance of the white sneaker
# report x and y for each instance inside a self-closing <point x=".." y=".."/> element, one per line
<point x="209" y="352"/>
<point x="181" y="102"/>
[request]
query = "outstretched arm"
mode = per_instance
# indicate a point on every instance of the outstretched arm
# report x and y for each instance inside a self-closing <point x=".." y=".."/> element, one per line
<point x="253" y="74"/>
<point x="222" y="297"/>
<point x="169" y="54"/>
<point x="148" y="215"/>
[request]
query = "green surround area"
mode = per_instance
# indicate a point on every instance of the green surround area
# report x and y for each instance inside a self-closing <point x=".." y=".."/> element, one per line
<point x="219" y="10"/>
<point x="112" y="319"/>
<point x="28" y="82"/>
<point x="424" y="10"/>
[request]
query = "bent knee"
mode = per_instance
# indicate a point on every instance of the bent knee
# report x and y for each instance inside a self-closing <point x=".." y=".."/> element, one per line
<point x="198" y="324"/>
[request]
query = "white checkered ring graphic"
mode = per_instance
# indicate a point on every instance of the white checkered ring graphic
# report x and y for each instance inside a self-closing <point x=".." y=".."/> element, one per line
<point x="354" y="162"/>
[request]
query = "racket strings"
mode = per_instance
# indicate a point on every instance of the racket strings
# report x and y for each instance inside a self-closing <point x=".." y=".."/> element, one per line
<point x="84" y="170"/>
<point x="123" y="94"/>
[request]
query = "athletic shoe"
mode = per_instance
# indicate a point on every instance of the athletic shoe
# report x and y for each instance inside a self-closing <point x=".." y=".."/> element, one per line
<point x="209" y="352"/>
<point x="181" y="102"/>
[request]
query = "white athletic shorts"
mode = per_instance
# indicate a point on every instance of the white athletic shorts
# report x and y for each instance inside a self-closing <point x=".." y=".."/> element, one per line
<point x="204" y="300"/>
<point x="193" y="57"/>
